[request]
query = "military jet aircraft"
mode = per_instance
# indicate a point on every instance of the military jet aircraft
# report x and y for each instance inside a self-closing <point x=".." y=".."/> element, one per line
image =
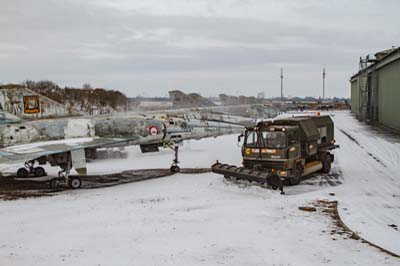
<point x="64" y="142"/>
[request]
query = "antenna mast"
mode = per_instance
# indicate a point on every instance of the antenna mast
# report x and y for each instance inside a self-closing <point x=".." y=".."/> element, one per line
<point x="323" y="84"/>
<point x="281" y="84"/>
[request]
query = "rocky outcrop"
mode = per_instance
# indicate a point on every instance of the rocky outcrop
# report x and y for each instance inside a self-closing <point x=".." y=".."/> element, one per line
<point x="85" y="100"/>
<point x="27" y="104"/>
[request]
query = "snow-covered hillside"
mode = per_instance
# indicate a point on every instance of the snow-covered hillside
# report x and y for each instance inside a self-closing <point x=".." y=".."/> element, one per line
<point x="189" y="219"/>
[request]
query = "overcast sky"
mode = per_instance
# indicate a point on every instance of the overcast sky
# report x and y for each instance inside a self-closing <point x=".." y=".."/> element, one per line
<point x="147" y="47"/>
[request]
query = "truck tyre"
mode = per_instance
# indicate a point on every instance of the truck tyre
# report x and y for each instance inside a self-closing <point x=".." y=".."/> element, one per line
<point x="326" y="164"/>
<point x="274" y="181"/>
<point x="295" y="180"/>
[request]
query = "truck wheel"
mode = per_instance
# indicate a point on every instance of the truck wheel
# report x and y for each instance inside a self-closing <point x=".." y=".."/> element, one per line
<point x="326" y="164"/>
<point x="295" y="180"/>
<point x="22" y="173"/>
<point x="274" y="181"/>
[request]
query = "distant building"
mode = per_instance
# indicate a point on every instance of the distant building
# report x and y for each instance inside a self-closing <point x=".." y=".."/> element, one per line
<point x="234" y="100"/>
<point x="183" y="100"/>
<point x="375" y="89"/>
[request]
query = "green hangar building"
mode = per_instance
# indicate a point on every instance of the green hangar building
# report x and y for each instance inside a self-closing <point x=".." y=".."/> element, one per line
<point x="375" y="89"/>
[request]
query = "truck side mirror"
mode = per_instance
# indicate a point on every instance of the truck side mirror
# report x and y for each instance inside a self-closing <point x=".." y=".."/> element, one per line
<point x="240" y="137"/>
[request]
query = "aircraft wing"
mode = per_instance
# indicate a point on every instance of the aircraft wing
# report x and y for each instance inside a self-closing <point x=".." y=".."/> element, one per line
<point x="27" y="152"/>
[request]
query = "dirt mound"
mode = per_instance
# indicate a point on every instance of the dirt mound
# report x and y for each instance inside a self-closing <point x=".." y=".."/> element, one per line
<point x="330" y="208"/>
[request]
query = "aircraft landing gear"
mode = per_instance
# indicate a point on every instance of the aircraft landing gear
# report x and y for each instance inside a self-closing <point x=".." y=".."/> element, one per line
<point x="174" y="167"/>
<point x="73" y="182"/>
<point x="62" y="177"/>
<point x="30" y="170"/>
<point x="56" y="183"/>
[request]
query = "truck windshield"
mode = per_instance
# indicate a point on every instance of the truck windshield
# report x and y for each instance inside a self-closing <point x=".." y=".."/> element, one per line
<point x="266" y="139"/>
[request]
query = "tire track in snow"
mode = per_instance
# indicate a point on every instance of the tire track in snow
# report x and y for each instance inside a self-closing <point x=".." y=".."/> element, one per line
<point x="362" y="147"/>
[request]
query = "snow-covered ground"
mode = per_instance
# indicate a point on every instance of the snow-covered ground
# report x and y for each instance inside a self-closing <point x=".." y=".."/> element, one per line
<point x="370" y="196"/>
<point x="189" y="219"/>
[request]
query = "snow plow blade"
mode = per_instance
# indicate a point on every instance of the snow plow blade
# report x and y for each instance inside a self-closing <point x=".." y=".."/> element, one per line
<point x="241" y="173"/>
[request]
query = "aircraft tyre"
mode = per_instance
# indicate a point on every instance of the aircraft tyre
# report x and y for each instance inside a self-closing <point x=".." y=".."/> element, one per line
<point x="39" y="171"/>
<point x="22" y="173"/>
<point x="175" y="169"/>
<point x="74" y="182"/>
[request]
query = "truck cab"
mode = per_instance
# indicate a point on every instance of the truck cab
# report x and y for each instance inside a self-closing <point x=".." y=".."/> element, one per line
<point x="273" y="148"/>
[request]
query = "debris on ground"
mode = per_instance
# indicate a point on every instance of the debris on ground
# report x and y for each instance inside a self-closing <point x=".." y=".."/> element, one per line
<point x="308" y="209"/>
<point x="394" y="226"/>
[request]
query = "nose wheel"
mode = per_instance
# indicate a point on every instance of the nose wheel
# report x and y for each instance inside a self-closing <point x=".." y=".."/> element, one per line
<point x="174" y="167"/>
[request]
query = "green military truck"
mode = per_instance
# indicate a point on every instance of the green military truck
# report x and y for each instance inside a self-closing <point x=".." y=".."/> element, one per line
<point x="284" y="150"/>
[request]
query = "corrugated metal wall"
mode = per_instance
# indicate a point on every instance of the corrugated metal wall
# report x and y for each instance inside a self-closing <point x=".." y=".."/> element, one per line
<point x="389" y="95"/>
<point x="355" y="97"/>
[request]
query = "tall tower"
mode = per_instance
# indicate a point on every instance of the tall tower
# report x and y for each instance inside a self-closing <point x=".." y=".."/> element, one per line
<point x="281" y="84"/>
<point x="323" y="84"/>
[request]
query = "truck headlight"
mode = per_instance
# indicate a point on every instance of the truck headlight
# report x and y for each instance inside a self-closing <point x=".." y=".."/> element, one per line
<point x="283" y="173"/>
